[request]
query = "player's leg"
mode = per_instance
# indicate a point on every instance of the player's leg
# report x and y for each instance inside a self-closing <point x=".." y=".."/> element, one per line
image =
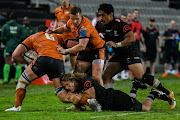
<point x="176" y="66"/>
<point x="111" y="69"/>
<point x="152" y="81"/>
<point x="167" y="58"/>
<point x="81" y="66"/>
<point x="18" y="71"/>
<point x="148" y="101"/>
<point x="97" y="68"/>
<point x="26" y="78"/>
<point x="6" y="69"/>
<point x="152" y="67"/>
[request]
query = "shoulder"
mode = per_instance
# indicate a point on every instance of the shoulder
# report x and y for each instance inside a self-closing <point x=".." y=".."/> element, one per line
<point x="58" y="9"/>
<point x="86" y="82"/>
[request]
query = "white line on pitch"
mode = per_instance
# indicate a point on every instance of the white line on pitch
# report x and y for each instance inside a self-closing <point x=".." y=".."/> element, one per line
<point x="119" y="114"/>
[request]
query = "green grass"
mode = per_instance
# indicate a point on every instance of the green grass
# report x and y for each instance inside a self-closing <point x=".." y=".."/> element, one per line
<point x="41" y="103"/>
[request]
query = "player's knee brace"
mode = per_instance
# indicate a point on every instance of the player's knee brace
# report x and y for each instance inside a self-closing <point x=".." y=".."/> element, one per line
<point x="148" y="79"/>
<point x="25" y="81"/>
<point x="58" y="90"/>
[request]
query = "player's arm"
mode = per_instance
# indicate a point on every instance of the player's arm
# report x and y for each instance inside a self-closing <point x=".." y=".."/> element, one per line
<point x="68" y="97"/>
<point x="159" y="43"/>
<point x="167" y="37"/>
<point x="61" y="29"/>
<point x="17" y="54"/>
<point x="77" y="48"/>
<point x="129" y="39"/>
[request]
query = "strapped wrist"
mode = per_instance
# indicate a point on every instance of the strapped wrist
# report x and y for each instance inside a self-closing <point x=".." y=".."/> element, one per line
<point x="67" y="51"/>
<point x="119" y="44"/>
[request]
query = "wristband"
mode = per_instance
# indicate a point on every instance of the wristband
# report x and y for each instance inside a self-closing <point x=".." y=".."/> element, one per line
<point x="119" y="44"/>
<point x="67" y="51"/>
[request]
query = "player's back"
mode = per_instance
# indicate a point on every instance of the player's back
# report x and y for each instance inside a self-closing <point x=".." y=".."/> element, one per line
<point x="44" y="44"/>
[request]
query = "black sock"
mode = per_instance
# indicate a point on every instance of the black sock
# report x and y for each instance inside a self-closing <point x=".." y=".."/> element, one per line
<point x="133" y="91"/>
<point x="151" y="97"/>
<point x="161" y="88"/>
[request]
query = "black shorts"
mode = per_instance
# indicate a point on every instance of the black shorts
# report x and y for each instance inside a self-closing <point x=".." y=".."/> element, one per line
<point x="119" y="101"/>
<point x="48" y="65"/>
<point x="150" y="56"/>
<point x="171" y="53"/>
<point x="89" y="56"/>
<point x="130" y="58"/>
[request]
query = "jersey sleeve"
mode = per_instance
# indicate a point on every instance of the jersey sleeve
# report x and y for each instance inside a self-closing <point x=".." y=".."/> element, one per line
<point x="85" y="31"/>
<point x="28" y="42"/>
<point x="124" y="28"/>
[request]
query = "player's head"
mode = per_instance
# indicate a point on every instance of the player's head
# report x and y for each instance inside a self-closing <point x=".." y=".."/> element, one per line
<point x="123" y="17"/>
<point x="12" y="16"/>
<point x="41" y="28"/>
<point x="135" y="14"/>
<point x="172" y="25"/>
<point x="69" y="81"/>
<point x="26" y="21"/>
<point x="129" y="16"/>
<point x="64" y="3"/>
<point x="151" y="22"/>
<point x="76" y="16"/>
<point x="106" y="11"/>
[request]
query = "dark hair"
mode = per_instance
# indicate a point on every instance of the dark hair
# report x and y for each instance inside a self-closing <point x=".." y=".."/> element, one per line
<point x="97" y="14"/>
<point x="75" y="10"/>
<point x="136" y="10"/>
<point x="107" y="8"/>
<point x="123" y="14"/>
<point x="12" y="16"/>
<point x="72" y="77"/>
<point x="41" y="28"/>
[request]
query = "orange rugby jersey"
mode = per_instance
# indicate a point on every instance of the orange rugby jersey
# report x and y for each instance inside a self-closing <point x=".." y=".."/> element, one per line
<point x="86" y="30"/>
<point x="44" y="44"/>
<point x="63" y="15"/>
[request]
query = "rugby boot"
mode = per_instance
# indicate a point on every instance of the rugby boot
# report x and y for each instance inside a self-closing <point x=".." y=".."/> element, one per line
<point x="159" y="94"/>
<point x="171" y="100"/>
<point x="14" y="109"/>
<point x="165" y="75"/>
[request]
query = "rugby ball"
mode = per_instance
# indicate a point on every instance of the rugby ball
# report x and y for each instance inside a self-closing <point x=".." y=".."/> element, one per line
<point x="30" y="55"/>
<point x="71" y="43"/>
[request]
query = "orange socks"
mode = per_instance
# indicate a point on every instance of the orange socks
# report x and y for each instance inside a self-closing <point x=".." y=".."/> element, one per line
<point x="19" y="96"/>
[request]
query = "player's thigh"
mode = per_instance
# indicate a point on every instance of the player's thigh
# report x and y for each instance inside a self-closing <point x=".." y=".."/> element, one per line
<point x="56" y="82"/>
<point x="111" y="69"/>
<point x="137" y="70"/>
<point x="30" y="73"/>
<point x="81" y="66"/>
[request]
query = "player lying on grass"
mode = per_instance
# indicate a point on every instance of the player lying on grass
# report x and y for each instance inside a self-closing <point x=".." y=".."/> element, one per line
<point x="83" y="90"/>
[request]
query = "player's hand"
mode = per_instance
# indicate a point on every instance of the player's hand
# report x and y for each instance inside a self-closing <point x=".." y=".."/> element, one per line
<point x="111" y="44"/>
<point x="61" y="50"/>
<point x="49" y="31"/>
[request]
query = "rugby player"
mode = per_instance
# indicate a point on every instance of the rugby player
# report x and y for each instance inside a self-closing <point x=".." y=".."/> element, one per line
<point x="62" y="14"/>
<point x="126" y="56"/>
<point x="90" y="46"/>
<point x="83" y="90"/>
<point x="49" y="62"/>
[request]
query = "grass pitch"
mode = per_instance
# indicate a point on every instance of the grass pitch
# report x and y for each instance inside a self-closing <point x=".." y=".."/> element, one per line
<point x="41" y="103"/>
